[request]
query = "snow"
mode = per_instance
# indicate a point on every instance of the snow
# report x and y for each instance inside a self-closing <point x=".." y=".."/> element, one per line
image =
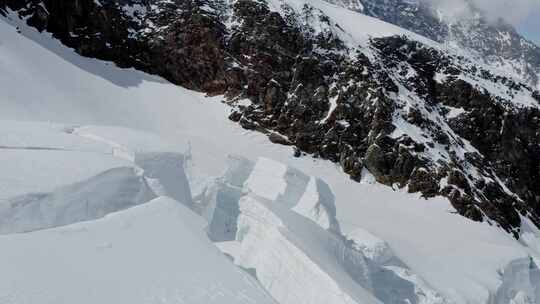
<point x="34" y="136"/>
<point x="91" y="178"/>
<point x="267" y="179"/>
<point x="299" y="264"/>
<point x="158" y="252"/>
<point x="152" y="253"/>
<point x="38" y="157"/>
<point x="25" y="171"/>
<point x="273" y="181"/>
<point x="354" y="28"/>
<point x="373" y="247"/>
<point x="318" y="204"/>
<point x="166" y="169"/>
<point x="454" y="112"/>
<point x="126" y="139"/>
<point x="521" y="98"/>
<point x="110" y="191"/>
<point x="333" y="106"/>
<point x="367" y="260"/>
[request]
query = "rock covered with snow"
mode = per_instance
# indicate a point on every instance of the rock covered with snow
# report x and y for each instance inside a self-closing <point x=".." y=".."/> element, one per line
<point x="496" y="43"/>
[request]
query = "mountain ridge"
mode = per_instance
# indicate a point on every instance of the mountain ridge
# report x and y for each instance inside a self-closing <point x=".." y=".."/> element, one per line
<point x="495" y="42"/>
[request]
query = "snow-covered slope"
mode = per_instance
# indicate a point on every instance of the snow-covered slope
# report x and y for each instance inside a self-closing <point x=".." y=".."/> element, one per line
<point x="356" y="29"/>
<point x="454" y="258"/>
<point x="425" y="249"/>
<point x="287" y="232"/>
<point x="153" y="253"/>
<point x="126" y="241"/>
<point x="92" y="174"/>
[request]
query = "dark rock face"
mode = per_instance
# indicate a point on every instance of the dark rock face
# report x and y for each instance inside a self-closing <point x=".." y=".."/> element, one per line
<point x="508" y="138"/>
<point x="505" y="136"/>
<point x="92" y="30"/>
<point x="193" y="38"/>
<point x="398" y="108"/>
<point x="424" y="181"/>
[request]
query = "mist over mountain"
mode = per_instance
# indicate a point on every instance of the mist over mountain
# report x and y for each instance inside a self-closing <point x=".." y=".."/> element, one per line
<point x="512" y="11"/>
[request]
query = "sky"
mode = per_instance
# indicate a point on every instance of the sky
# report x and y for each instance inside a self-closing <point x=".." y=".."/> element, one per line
<point x="530" y="27"/>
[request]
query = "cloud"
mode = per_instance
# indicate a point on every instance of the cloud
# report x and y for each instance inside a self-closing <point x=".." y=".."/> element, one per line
<point x="512" y="11"/>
